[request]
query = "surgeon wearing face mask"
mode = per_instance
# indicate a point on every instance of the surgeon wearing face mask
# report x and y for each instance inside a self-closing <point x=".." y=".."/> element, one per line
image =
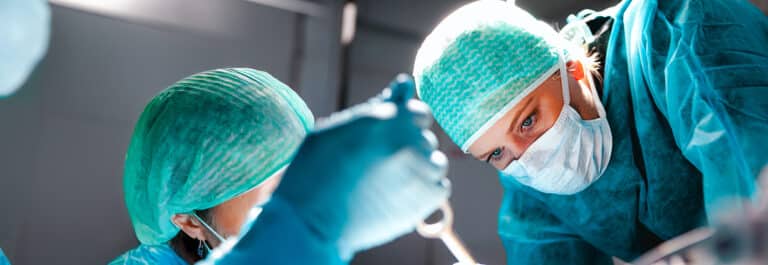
<point x="204" y="152"/>
<point x="624" y="130"/>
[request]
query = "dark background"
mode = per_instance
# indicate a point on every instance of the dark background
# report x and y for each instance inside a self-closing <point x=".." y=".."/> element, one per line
<point x="65" y="133"/>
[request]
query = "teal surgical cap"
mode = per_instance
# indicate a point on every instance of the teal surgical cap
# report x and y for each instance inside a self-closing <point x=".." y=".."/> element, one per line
<point x="205" y="140"/>
<point x="479" y="62"/>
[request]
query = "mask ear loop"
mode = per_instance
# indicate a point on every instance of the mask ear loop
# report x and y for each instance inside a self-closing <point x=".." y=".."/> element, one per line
<point x="208" y="227"/>
<point x="564" y="81"/>
<point x="592" y="88"/>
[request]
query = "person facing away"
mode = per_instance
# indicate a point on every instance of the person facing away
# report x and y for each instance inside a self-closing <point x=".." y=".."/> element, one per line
<point x="205" y="154"/>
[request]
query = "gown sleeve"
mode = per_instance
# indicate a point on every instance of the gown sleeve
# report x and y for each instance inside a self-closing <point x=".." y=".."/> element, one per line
<point x="278" y="236"/>
<point x="705" y="66"/>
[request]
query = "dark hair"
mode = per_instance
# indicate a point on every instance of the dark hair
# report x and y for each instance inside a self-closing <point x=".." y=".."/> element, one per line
<point x="187" y="247"/>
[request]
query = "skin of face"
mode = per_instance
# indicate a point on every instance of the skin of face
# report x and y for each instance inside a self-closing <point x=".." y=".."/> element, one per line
<point x="509" y="137"/>
<point x="228" y="217"/>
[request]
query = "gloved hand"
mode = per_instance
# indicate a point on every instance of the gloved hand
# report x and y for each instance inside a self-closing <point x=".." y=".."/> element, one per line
<point x="368" y="174"/>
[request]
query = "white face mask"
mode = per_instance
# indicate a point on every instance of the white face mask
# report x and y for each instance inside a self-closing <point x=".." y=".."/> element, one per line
<point x="571" y="155"/>
<point x="252" y="215"/>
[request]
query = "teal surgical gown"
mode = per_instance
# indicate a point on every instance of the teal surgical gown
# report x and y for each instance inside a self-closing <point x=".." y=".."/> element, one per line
<point x="685" y="89"/>
<point x="3" y="258"/>
<point x="278" y="236"/>
<point x="149" y="255"/>
<point x="686" y="95"/>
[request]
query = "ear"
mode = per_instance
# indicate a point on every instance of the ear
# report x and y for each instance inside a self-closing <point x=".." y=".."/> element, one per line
<point x="576" y="69"/>
<point x="189" y="225"/>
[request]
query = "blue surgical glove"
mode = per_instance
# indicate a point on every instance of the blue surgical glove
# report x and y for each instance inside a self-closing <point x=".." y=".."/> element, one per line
<point x="368" y="174"/>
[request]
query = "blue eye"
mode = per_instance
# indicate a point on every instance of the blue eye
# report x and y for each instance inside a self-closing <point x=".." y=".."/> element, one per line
<point x="495" y="155"/>
<point x="528" y="122"/>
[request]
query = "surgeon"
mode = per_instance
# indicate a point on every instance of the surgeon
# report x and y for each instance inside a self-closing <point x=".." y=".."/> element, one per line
<point x="205" y="151"/>
<point x="625" y="130"/>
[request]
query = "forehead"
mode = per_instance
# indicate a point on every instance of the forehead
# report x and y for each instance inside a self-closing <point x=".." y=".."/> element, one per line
<point x="496" y="134"/>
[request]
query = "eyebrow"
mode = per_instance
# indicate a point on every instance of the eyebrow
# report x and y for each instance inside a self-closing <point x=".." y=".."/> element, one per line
<point x="523" y="106"/>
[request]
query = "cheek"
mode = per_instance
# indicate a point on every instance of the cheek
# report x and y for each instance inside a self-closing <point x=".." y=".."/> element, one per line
<point x="268" y="187"/>
<point x="546" y="116"/>
<point x="520" y="143"/>
<point x="549" y="111"/>
<point x="230" y="216"/>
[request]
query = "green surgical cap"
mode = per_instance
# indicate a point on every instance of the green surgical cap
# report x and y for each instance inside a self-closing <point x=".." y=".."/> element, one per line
<point x="207" y="139"/>
<point x="479" y="62"/>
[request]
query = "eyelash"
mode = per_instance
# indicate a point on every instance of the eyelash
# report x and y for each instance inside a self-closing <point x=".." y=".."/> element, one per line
<point x="494" y="156"/>
<point x="524" y="127"/>
<point x="498" y="153"/>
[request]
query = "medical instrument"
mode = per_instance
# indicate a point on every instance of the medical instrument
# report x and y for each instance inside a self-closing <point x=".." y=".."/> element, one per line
<point x="443" y="230"/>
<point x="739" y="237"/>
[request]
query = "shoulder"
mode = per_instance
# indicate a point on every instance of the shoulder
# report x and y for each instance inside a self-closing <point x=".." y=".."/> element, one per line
<point x="149" y="254"/>
<point x="680" y="15"/>
<point x="702" y="33"/>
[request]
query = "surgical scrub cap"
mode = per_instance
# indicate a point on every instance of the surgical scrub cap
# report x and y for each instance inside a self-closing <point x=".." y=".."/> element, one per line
<point x="207" y="139"/>
<point x="479" y="62"/>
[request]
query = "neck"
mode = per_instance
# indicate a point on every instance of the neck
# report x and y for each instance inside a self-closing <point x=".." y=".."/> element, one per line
<point x="185" y="247"/>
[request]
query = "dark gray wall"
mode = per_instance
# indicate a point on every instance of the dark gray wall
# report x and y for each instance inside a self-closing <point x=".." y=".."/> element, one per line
<point x="63" y="136"/>
<point x="65" y="133"/>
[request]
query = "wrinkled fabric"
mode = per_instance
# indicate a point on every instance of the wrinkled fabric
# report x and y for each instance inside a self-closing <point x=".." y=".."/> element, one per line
<point x="685" y="88"/>
<point x="207" y="139"/>
<point x="149" y="255"/>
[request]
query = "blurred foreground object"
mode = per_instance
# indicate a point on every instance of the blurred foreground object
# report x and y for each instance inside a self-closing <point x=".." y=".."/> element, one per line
<point x="23" y="40"/>
<point x="738" y="238"/>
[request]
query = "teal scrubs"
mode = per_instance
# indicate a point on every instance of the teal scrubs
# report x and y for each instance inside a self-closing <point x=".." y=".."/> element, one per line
<point x="685" y="88"/>
<point x="278" y="236"/>
<point x="3" y="258"/>
<point x="148" y="255"/>
<point x="686" y="95"/>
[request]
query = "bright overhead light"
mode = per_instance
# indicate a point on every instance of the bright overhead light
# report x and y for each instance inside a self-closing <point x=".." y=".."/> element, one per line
<point x="297" y="6"/>
<point x="348" y="22"/>
<point x="106" y="7"/>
